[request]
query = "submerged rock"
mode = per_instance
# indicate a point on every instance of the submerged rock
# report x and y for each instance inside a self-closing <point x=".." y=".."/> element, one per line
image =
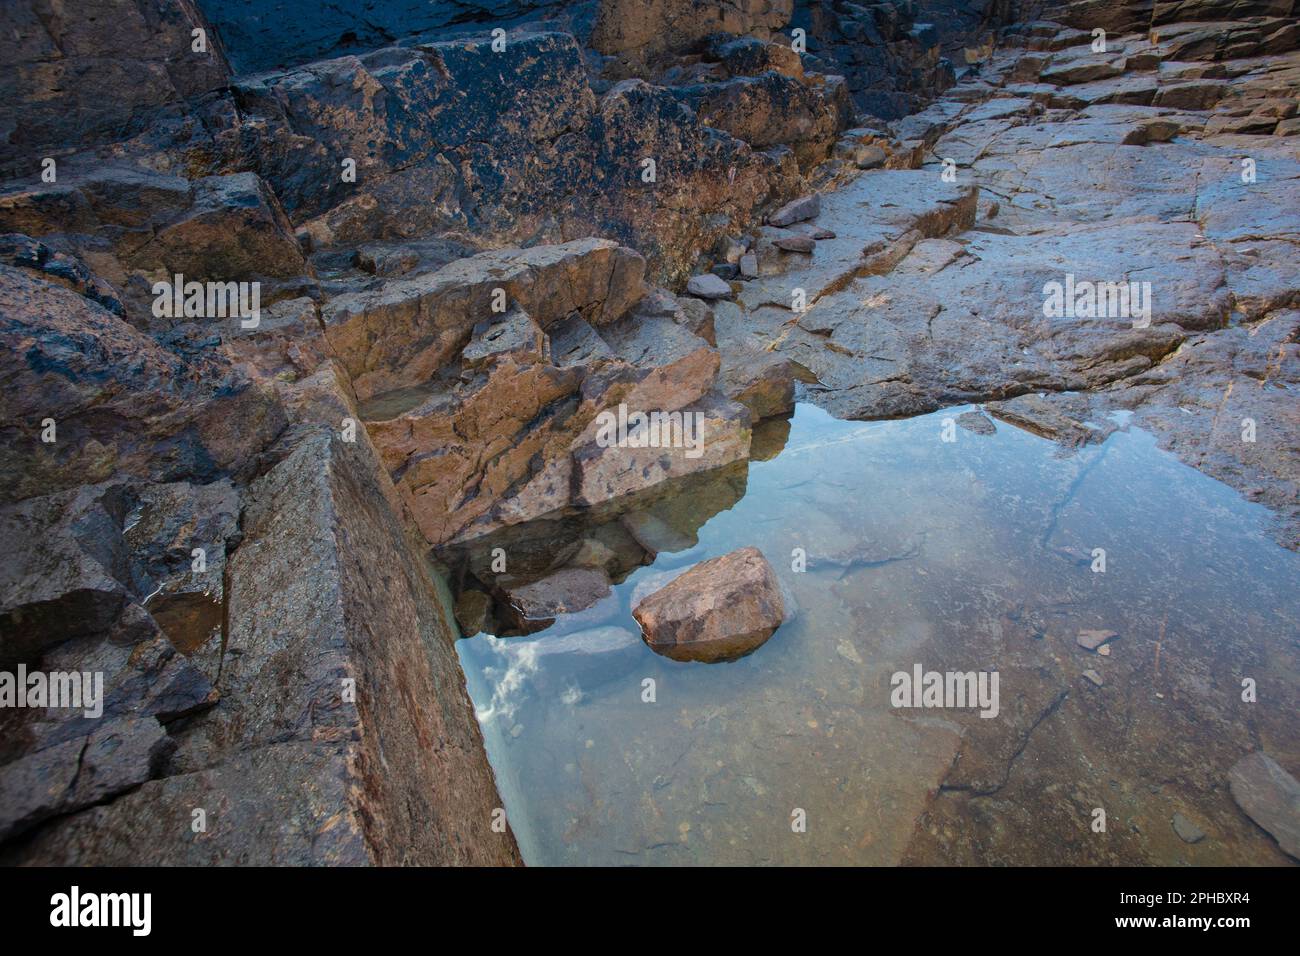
<point x="1092" y="640"/>
<point x="1187" y="831"/>
<point x="1270" y="796"/>
<point x="717" y="610"/>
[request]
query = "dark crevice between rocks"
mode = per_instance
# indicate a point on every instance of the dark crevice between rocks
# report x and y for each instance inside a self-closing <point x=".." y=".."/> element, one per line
<point x="1025" y="737"/>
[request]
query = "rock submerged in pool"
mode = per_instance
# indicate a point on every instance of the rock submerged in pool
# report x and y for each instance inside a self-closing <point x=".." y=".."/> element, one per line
<point x="1270" y="796"/>
<point x="719" y="610"/>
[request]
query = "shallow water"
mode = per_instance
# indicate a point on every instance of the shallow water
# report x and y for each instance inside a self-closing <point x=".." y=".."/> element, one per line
<point x="969" y="555"/>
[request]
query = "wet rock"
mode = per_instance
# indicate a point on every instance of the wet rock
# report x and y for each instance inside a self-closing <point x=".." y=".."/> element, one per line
<point x="655" y="535"/>
<point x="708" y="286"/>
<point x="1187" y="831"/>
<point x="565" y="592"/>
<point x="718" y="610"/>
<point x="473" y="612"/>
<point x="1270" y="796"/>
<point x="976" y="422"/>
<point x="718" y="434"/>
<point x="1049" y="417"/>
<point x="797" y="210"/>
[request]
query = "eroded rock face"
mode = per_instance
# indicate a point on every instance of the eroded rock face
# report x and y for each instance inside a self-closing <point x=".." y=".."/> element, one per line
<point x="119" y="401"/>
<point x="399" y="335"/>
<point x="718" y="610"/>
<point x="73" y="79"/>
<point x="637" y="32"/>
<point x="450" y="135"/>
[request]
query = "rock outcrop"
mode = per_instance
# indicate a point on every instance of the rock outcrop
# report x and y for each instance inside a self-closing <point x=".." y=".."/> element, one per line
<point x="435" y="312"/>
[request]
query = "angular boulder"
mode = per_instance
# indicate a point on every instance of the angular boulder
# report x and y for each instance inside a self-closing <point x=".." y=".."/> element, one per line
<point x="719" y="610"/>
<point x="399" y="334"/>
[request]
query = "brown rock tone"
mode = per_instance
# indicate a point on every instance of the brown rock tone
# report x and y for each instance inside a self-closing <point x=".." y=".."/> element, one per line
<point x="719" y="610"/>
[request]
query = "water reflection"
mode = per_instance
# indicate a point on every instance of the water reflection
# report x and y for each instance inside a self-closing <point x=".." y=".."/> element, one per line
<point x="971" y="555"/>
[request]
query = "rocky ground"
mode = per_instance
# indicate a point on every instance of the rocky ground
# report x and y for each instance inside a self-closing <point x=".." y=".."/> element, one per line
<point x="465" y="254"/>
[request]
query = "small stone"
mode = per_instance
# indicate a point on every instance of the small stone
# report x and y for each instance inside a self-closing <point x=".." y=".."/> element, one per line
<point x="567" y="591"/>
<point x="1094" y="677"/>
<point x="1090" y="640"/>
<point x="1104" y="650"/>
<point x="749" y="266"/>
<point x="1187" y="831"/>
<point x="977" y="422"/>
<point x="797" y="210"/>
<point x="819" y="233"/>
<point x="472" y="609"/>
<point x="708" y="286"/>
<point x="796" y="243"/>
<point x="725" y="270"/>
<point x="870" y="157"/>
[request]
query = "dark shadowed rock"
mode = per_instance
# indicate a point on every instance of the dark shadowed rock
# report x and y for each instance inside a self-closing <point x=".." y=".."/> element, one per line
<point x="65" y="777"/>
<point x="121" y="403"/>
<point x="564" y="592"/>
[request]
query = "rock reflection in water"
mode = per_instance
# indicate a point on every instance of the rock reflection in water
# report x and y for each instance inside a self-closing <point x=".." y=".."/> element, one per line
<point x="970" y="555"/>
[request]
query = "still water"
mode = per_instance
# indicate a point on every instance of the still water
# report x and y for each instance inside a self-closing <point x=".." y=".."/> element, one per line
<point x="978" y="554"/>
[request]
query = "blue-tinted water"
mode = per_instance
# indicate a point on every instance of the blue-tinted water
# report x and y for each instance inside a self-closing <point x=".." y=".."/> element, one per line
<point x="976" y="554"/>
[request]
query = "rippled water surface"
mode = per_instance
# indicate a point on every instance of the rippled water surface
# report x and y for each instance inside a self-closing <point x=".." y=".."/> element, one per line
<point x="969" y="555"/>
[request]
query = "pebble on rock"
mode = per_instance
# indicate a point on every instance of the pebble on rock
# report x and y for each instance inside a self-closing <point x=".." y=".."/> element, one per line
<point x="797" y="210"/>
<point x="708" y="286"/>
<point x="796" y="243"/>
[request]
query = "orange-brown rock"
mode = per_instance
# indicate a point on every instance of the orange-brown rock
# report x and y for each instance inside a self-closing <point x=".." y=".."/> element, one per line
<point x="718" y="610"/>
